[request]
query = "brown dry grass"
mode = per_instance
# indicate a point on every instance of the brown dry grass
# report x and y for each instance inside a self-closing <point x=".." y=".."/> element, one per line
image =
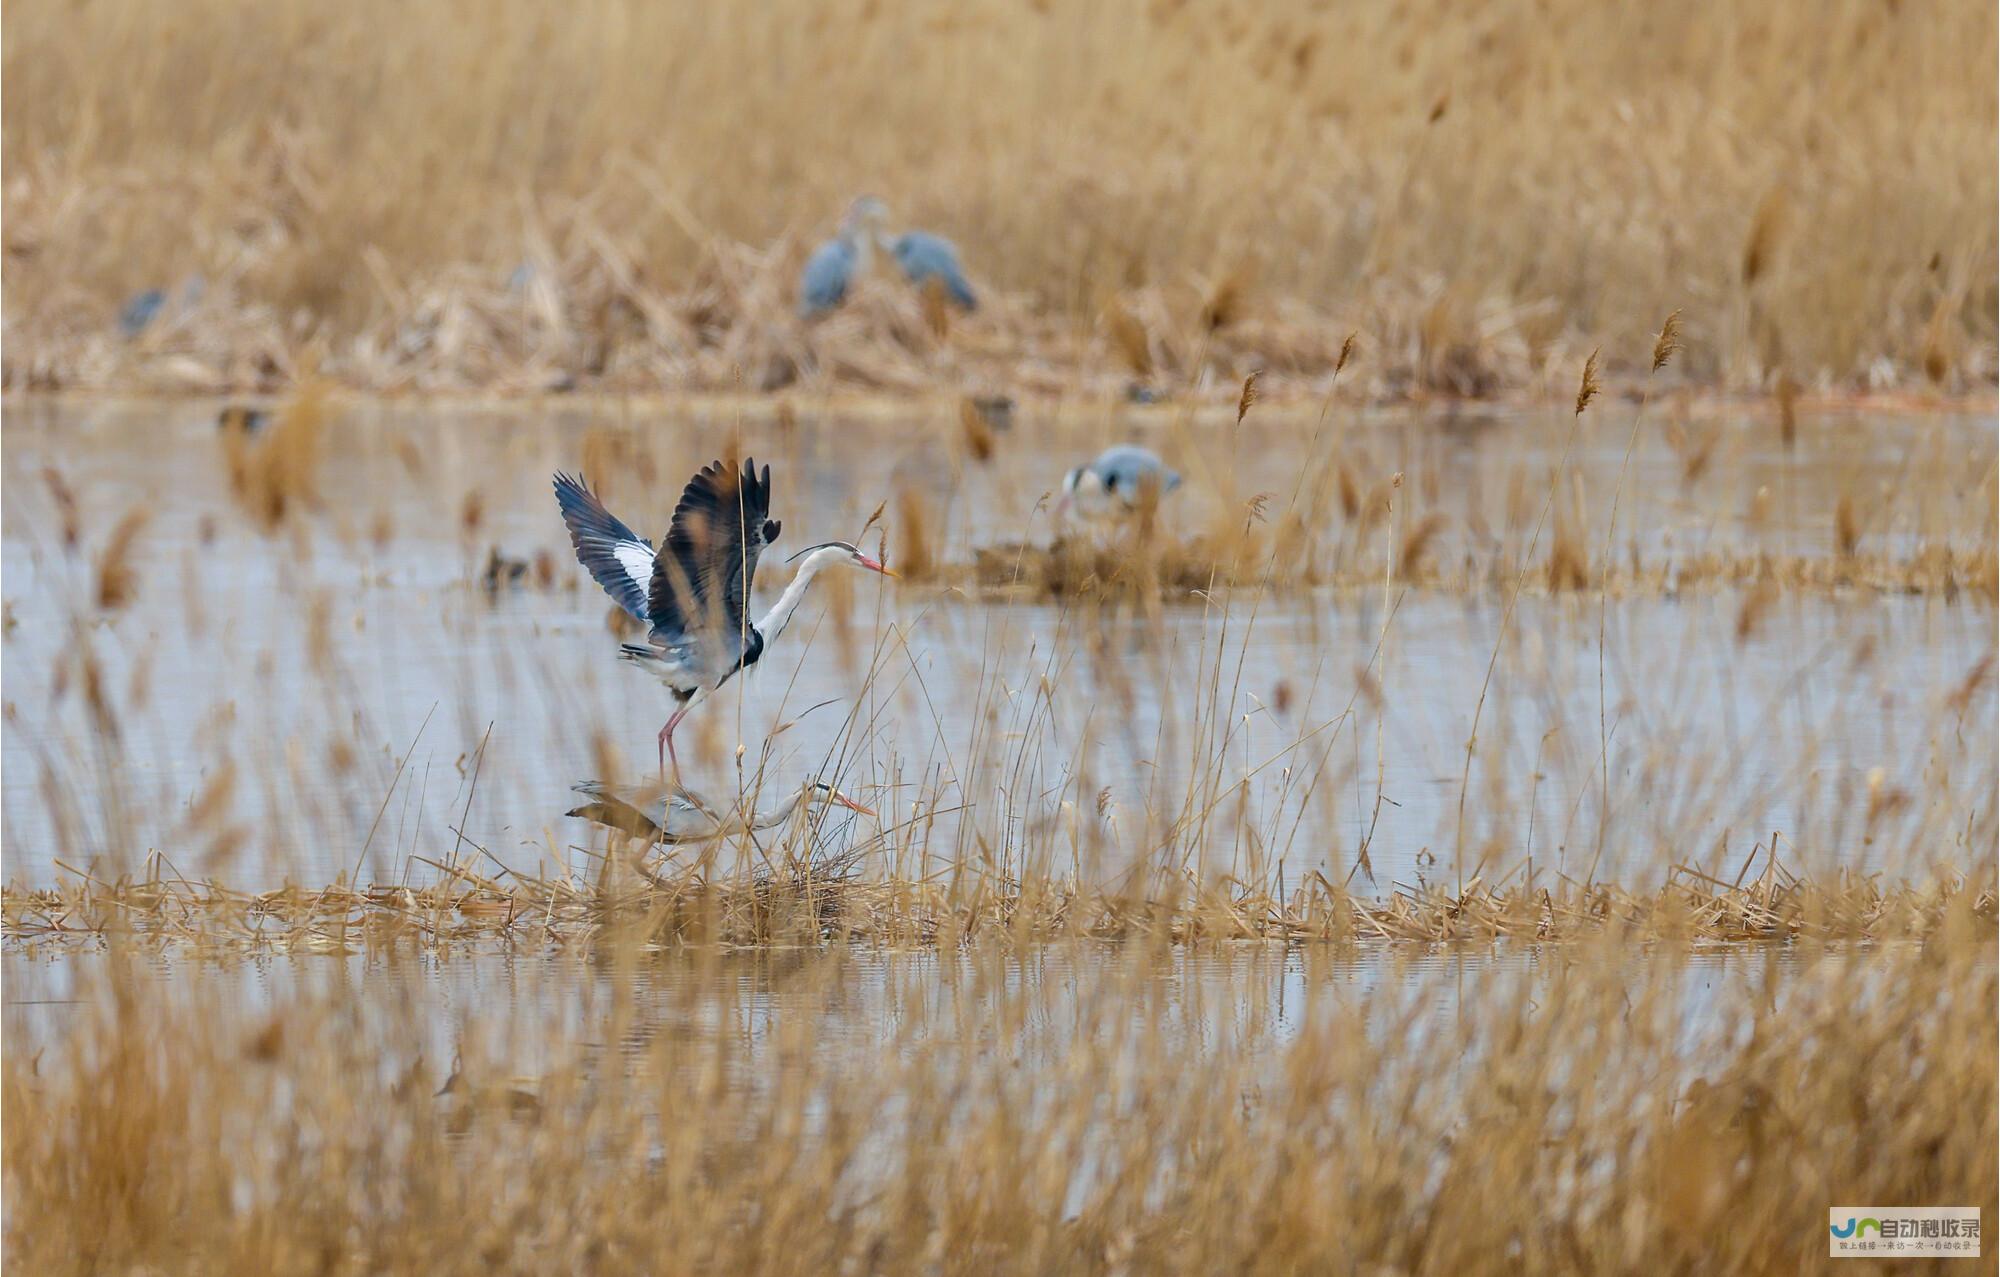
<point x="272" y="471"/>
<point x="1588" y="1122"/>
<point x="620" y="194"/>
<point x="1128" y="565"/>
<point x="807" y="902"/>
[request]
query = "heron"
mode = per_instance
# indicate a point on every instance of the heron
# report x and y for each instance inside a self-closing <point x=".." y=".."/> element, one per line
<point x="140" y="310"/>
<point x="921" y="256"/>
<point x="924" y="257"/>
<point x="693" y="592"/>
<point x="675" y="815"/>
<point x="1123" y="479"/>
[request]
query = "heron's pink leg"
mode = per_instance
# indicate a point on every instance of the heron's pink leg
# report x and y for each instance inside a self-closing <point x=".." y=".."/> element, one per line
<point x="667" y="746"/>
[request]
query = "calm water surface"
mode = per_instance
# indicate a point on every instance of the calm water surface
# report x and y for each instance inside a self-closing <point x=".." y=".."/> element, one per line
<point x="351" y="676"/>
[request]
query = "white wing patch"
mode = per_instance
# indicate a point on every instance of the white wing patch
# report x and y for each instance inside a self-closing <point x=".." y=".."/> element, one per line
<point x="637" y="561"/>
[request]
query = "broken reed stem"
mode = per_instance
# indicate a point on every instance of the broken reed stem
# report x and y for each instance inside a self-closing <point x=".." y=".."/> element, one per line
<point x="1587" y="387"/>
<point x="1664" y="347"/>
<point x="1382" y="680"/>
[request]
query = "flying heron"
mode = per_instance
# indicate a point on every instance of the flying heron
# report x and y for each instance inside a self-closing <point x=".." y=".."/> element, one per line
<point x="921" y="256"/>
<point x="692" y="594"/>
<point x="1123" y="479"/>
<point x="676" y="815"/>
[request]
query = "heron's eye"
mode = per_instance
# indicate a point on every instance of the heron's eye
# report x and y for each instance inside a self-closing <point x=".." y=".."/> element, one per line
<point x="771" y="528"/>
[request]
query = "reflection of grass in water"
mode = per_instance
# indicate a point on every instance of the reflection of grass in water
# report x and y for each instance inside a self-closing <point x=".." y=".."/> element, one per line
<point x="1587" y="1119"/>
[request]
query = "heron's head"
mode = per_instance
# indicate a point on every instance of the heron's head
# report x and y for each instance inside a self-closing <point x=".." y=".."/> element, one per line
<point x="827" y="553"/>
<point x="1081" y="484"/>
<point x="866" y="215"/>
<point x="819" y="791"/>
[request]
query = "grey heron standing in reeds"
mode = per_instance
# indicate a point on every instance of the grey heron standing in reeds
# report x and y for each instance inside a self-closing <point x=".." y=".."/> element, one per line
<point x="693" y="592"/>
<point x="1122" y="480"/>
<point x="925" y="260"/>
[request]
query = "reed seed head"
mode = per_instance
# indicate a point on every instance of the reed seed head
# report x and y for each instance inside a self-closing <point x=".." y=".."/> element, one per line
<point x="1249" y="395"/>
<point x="1668" y="341"/>
<point x="1588" y="386"/>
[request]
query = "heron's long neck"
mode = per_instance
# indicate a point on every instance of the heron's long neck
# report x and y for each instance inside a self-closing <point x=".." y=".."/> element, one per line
<point x="780" y="615"/>
<point x="780" y="814"/>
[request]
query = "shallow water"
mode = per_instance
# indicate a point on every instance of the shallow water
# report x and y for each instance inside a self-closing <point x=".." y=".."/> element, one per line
<point x="538" y="1010"/>
<point x="1235" y="733"/>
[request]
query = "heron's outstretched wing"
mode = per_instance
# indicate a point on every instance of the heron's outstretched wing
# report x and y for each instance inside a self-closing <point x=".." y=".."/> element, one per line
<point x="702" y="575"/>
<point x="823" y="284"/>
<point x="619" y="559"/>
<point x="925" y="257"/>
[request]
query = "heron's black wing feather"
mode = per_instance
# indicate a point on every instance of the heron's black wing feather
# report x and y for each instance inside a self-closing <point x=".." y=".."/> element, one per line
<point x="702" y="577"/>
<point x="618" y="558"/>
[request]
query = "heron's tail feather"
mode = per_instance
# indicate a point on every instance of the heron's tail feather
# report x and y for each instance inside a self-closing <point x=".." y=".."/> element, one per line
<point x="637" y="654"/>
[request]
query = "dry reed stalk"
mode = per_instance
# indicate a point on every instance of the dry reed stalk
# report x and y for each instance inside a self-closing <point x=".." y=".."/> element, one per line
<point x="1129" y="338"/>
<point x="975" y="432"/>
<point x="1248" y="399"/>
<point x="67" y="512"/>
<point x="835" y="1142"/>
<point x="116" y="576"/>
<point x="1694" y="446"/>
<point x="915" y="537"/>
<point x="1756" y="603"/>
<point x="1568" y="565"/>
<point x="1846" y="527"/>
<point x="1668" y="342"/>
<point x="1587" y="387"/>
<point x="623" y="273"/>
<point x="1416" y="544"/>
<point x="686" y="904"/>
<point x="1788" y="410"/>
<point x="273" y="473"/>
<point x="1224" y="303"/>
<point x="1588" y="384"/>
<point x="1767" y="227"/>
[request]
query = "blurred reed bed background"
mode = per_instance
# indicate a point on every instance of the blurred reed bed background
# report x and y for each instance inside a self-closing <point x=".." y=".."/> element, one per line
<point x="530" y="197"/>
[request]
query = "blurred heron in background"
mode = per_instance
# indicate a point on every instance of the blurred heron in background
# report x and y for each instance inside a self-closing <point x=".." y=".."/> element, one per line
<point x="140" y="311"/>
<point x="1122" y="479"/>
<point x="677" y="815"/>
<point x="921" y="256"/>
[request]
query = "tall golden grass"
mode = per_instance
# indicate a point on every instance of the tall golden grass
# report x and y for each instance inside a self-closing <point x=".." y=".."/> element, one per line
<point x="1077" y="1113"/>
<point x="533" y="196"/>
